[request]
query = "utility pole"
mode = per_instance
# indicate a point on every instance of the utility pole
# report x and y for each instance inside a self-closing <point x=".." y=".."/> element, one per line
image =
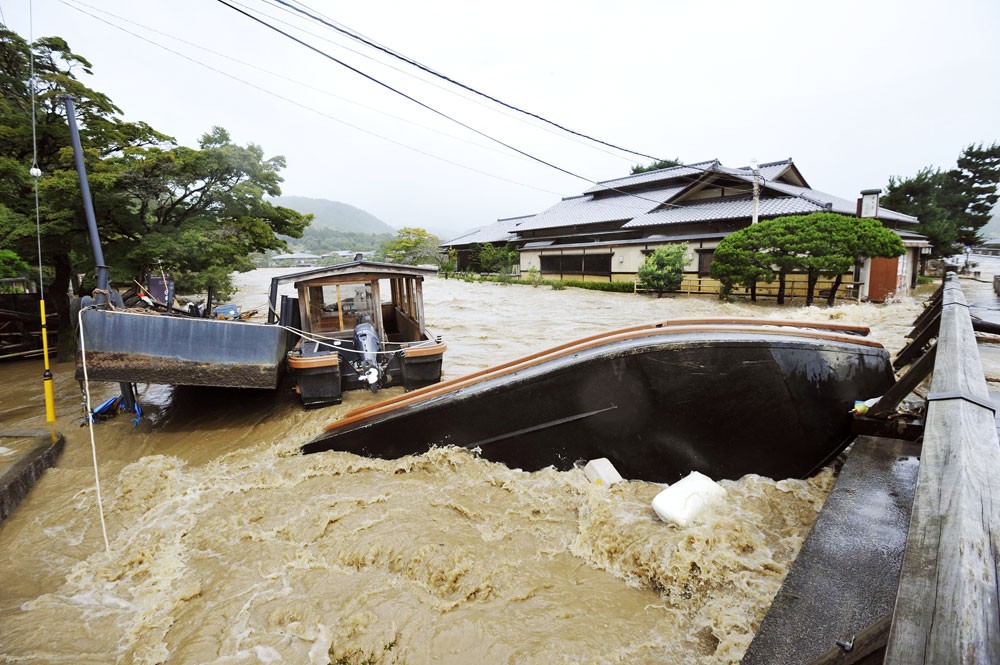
<point x="756" y="191"/>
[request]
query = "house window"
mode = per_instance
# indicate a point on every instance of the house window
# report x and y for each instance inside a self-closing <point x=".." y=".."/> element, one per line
<point x="550" y="263"/>
<point x="576" y="264"/>
<point x="597" y="264"/>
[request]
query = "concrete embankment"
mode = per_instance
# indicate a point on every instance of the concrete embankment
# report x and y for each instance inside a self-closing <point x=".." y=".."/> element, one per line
<point x="24" y="457"/>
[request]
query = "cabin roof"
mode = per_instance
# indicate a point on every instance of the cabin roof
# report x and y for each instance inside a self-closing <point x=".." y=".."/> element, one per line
<point x="355" y="269"/>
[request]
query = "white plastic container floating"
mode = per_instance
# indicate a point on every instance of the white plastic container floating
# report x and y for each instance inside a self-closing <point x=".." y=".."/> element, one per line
<point x="682" y="501"/>
<point x="602" y="472"/>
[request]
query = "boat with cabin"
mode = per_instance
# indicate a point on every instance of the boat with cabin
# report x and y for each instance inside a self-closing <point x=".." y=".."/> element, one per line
<point x="351" y="339"/>
<point x="725" y="397"/>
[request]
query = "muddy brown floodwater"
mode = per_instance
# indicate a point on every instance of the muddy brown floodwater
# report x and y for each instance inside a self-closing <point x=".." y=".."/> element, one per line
<point x="228" y="546"/>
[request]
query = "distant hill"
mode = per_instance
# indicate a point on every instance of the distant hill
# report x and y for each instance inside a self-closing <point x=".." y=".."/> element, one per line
<point x="336" y="215"/>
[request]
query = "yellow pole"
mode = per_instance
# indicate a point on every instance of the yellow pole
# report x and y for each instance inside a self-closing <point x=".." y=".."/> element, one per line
<point x="50" y="401"/>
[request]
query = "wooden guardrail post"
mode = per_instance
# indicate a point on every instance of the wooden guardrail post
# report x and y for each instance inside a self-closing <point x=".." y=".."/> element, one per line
<point x="948" y="603"/>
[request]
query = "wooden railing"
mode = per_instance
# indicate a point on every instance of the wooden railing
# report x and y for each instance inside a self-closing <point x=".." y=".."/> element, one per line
<point x="948" y="605"/>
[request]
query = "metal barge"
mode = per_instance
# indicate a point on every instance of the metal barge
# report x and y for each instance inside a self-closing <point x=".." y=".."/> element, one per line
<point x="320" y="323"/>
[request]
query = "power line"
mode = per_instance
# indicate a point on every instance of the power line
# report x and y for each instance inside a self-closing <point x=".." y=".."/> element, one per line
<point x="350" y="32"/>
<point x="376" y="135"/>
<point x="286" y="78"/>
<point x="430" y="108"/>
<point x="422" y="67"/>
<point x="403" y="94"/>
<point x="305" y="107"/>
<point x="446" y="89"/>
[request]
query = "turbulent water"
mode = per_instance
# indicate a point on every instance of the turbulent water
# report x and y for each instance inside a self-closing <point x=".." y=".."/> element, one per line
<point x="228" y="546"/>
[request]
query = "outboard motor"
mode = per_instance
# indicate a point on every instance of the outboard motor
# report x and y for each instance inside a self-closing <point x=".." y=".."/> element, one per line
<point x="367" y="344"/>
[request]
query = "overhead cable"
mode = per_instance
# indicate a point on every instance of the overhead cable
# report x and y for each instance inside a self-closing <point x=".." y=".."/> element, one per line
<point x="278" y="75"/>
<point x="447" y="89"/>
<point x="433" y="72"/>
<point x="428" y="107"/>
<point x="307" y="108"/>
<point x="403" y="94"/>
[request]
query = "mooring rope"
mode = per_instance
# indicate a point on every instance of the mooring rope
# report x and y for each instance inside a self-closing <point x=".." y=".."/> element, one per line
<point x="90" y="427"/>
<point x="325" y="341"/>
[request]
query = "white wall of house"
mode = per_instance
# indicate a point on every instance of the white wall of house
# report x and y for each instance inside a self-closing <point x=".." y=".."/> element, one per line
<point x="625" y="258"/>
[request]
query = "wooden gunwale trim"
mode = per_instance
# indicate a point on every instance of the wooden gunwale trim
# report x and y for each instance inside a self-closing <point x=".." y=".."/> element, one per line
<point x="637" y="332"/>
<point x="310" y="362"/>
<point x="863" y="330"/>
<point x="426" y="350"/>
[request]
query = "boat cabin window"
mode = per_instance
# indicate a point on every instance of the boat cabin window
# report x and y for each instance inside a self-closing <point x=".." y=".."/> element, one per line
<point x="340" y="307"/>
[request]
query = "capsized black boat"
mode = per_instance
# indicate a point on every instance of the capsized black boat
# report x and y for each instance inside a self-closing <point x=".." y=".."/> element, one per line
<point x="725" y="397"/>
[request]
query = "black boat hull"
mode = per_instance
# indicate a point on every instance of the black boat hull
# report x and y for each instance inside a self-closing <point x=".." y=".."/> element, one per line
<point x="657" y="405"/>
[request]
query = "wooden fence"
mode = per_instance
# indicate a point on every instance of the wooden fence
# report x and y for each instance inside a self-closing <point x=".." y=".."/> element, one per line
<point x="901" y="566"/>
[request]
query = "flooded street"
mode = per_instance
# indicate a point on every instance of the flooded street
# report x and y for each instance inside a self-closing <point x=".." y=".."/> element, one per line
<point x="228" y="546"/>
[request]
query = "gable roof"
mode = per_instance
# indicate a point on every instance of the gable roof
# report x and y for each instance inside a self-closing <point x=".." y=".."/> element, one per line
<point x="626" y="199"/>
<point x="674" y="195"/>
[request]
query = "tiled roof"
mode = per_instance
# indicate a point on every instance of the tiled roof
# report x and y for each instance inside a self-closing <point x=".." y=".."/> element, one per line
<point x="768" y="172"/>
<point x="688" y="171"/>
<point x="500" y="231"/>
<point x="604" y="204"/>
<point x="837" y="204"/>
<point x="727" y="208"/>
<point x="582" y="210"/>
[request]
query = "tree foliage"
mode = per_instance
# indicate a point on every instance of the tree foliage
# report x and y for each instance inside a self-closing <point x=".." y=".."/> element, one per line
<point x="663" y="270"/>
<point x="820" y="244"/>
<point x="655" y="166"/>
<point x="496" y="258"/>
<point x="739" y="261"/>
<point x="195" y="212"/>
<point x="411" y="246"/>
<point x="952" y="205"/>
<point x="11" y="265"/>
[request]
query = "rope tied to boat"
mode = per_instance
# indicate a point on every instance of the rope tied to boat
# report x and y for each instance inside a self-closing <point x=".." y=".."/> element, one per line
<point x="90" y="427"/>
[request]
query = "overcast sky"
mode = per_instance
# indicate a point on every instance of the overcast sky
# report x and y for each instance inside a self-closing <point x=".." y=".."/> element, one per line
<point x="854" y="92"/>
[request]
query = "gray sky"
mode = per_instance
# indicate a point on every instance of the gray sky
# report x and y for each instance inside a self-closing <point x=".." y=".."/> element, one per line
<point x="854" y="91"/>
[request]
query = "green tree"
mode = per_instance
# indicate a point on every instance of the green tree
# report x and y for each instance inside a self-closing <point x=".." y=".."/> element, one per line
<point x="450" y="263"/>
<point x="11" y="265"/>
<point x="62" y="230"/>
<point x="496" y="258"/>
<point x="197" y="213"/>
<point x="411" y="246"/>
<point x="663" y="270"/>
<point x="930" y="196"/>
<point x="976" y="180"/>
<point x="952" y="205"/>
<point x="739" y="261"/>
<point x="655" y="166"/>
<point x="820" y="244"/>
<point x="825" y="244"/>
